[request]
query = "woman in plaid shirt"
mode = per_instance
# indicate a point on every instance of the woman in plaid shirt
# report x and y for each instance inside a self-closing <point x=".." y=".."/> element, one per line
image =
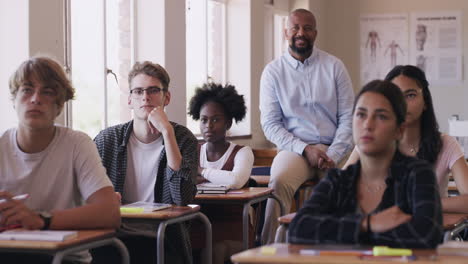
<point x="386" y="198"/>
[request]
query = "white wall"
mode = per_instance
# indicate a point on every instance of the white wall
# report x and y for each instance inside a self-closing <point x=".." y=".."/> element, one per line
<point x="246" y="62"/>
<point x="160" y="38"/>
<point x="342" y="39"/>
<point x="28" y="28"/>
<point x="14" y="47"/>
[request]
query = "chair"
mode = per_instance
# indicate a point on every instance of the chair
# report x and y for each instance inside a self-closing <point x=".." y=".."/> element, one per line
<point x="263" y="158"/>
<point x="304" y="192"/>
<point x="282" y="230"/>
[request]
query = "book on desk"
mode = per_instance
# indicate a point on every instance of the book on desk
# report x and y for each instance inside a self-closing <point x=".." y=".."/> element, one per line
<point x="210" y="188"/>
<point x="37" y="235"/>
<point x="143" y="207"/>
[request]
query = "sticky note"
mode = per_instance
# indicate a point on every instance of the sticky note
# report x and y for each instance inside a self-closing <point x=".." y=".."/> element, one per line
<point x="386" y="251"/>
<point x="134" y="210"/>
<point x="268" y="250"/>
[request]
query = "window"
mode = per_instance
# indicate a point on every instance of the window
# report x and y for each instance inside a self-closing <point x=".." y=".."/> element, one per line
<point x="280" y="41"/>
<point x="100" y="57"/>
<point x="13" y="50"/>
<point x="206" y="52"/>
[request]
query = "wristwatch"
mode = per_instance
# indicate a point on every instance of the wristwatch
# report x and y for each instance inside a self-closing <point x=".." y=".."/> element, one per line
<point x="47" y="218"/>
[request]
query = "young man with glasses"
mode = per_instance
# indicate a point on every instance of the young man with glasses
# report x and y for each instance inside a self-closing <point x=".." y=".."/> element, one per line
<point x="59" y="169"/>
<point x="151" y="159"/>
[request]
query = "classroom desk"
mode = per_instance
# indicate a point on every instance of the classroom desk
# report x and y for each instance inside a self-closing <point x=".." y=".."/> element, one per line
<point x="174" y="214"/>
<point x="289" y="253"/>
<point x="86" y="239"/>
<point x="453" y="225"/>
<point x="245" y="197"/>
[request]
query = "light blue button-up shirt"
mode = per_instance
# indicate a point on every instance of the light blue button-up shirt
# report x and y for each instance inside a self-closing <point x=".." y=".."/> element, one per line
<point x="307" y="103"/>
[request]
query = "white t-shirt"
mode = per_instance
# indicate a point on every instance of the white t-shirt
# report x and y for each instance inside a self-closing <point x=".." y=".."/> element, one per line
<point x="239" y="175"/>
<point x="142" y="167"/>
<point x="61" y="176"/>
<point x="451" y="152"/>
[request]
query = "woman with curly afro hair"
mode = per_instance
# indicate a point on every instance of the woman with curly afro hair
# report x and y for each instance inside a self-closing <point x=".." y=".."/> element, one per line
<point x="221" y="162"/>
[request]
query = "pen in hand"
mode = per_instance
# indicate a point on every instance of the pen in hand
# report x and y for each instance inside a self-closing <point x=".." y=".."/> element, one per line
<point x="20" y="197"/>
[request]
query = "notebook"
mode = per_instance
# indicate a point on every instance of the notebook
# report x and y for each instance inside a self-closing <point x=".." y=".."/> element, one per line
<point x="210" y="188"/>
<point x="38" y="235"/>
<point x="143" y="207"/>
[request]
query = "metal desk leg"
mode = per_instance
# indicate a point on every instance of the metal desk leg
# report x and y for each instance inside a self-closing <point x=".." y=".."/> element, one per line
<point x="245" y="226"/>
<point x="162" y="230"/>
<point x="280" y="233"/>
<point x="208" y="239"/>
<point x="282" y="208"/>
<point x="122" y="249"/>
<point x="451" y="234"/>
<point x="160" y="242"/>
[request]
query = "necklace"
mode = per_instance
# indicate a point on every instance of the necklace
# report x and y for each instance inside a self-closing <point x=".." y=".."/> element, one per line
<point x="413" y="149"/>
<point x="374" y="189"/>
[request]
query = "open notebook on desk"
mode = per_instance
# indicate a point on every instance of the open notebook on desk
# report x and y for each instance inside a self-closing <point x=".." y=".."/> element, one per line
<point x="37" y="235"/>
<point x="211" y="188"/>
<point x="143" y="207"/>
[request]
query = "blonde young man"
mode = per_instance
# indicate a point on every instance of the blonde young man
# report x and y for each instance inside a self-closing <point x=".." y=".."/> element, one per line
<point x="57" y="167"/>
<point x="151" y="159"/>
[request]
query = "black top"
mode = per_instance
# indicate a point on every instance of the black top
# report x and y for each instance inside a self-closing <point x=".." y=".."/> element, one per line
<point x="331" y="214"/>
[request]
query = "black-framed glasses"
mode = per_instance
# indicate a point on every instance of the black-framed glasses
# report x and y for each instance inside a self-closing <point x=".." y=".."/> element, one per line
<point x="138" y="92"/>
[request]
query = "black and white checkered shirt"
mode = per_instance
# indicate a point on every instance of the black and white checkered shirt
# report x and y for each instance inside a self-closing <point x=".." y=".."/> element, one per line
<point x="331" y="215"/>
<point x="172" y="187"/>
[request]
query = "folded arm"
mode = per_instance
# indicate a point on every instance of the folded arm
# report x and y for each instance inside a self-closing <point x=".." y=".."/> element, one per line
<point x="424" y="230"/>
<point x="317" y="221"/>
<point x="239" y="175"/>
<point x="100" y="211"/>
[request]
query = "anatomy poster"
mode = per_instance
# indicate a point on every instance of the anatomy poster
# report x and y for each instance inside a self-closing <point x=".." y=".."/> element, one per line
<point x="384" y="44"/>
<point x="435" y="45"/>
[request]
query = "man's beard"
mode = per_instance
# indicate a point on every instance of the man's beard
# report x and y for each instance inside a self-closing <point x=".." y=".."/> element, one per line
<point x="303" y="50"/>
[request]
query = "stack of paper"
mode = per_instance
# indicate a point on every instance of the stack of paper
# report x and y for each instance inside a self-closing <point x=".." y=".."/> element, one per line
<point x="458" y="248"/>
<point x="210" y="188"/>
<point x="37" y="235"/>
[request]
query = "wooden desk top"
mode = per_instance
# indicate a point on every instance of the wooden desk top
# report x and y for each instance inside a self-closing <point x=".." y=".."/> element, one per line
<point x="84" y="236"/>
<point x="168" y="213"/>
<point x="451" y="220"/>
<point x="244" y="194"/>
<point x="288" y="253"/>
<point x="286" y="219"/>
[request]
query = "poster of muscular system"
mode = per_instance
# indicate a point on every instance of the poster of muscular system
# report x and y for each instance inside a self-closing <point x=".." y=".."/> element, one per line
<point x="383" y="44"/>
